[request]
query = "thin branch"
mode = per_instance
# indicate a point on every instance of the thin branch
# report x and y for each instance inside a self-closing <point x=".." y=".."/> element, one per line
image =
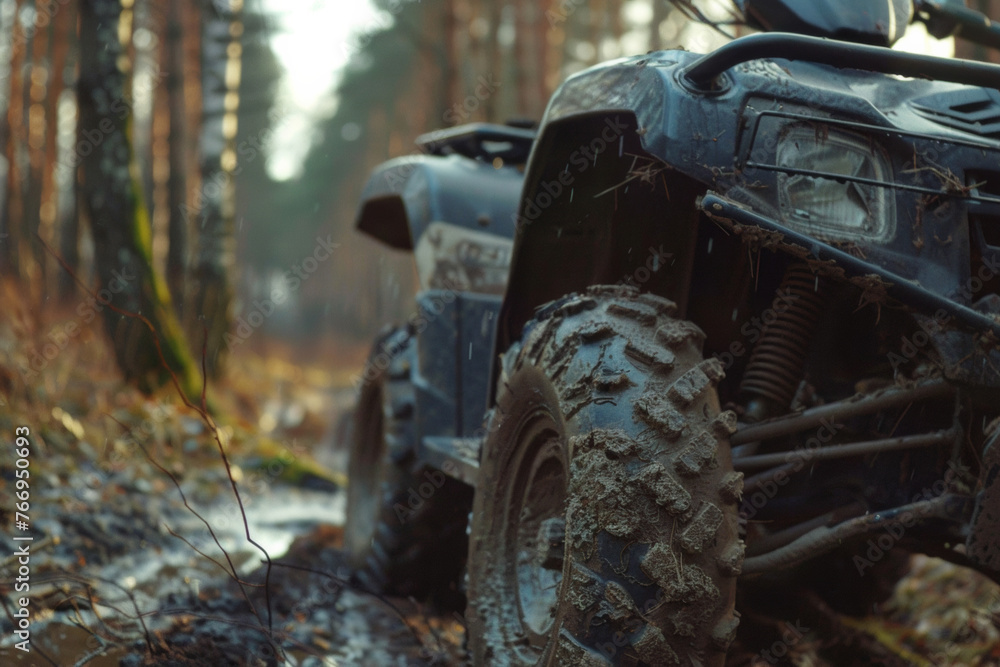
<point x="206" y="418"/>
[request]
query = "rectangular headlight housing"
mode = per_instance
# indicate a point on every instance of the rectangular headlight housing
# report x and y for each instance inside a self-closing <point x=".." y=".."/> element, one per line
<point x="828" y="184"/>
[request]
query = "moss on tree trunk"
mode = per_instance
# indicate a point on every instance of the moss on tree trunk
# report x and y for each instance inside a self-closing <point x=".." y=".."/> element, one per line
<point x="118" y="216"/>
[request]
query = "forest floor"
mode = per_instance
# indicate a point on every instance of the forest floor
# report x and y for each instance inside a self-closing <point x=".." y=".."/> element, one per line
<point x="124" y="571"/>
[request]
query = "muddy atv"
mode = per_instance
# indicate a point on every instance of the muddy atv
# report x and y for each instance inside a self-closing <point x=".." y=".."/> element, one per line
<point x="719" y="319"/>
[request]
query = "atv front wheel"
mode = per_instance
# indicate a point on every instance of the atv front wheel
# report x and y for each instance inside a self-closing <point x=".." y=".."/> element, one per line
<point x="605" y="521"/>
<point x="405" y="528"/>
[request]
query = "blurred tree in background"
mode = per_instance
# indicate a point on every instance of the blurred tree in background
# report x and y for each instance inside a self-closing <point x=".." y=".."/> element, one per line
<point x="208" y="303"/>
<point x="112" y="195"/>
<point x="123" y="114"/>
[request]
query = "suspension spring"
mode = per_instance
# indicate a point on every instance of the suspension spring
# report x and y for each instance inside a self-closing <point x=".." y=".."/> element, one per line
<point x="777" y="365"/>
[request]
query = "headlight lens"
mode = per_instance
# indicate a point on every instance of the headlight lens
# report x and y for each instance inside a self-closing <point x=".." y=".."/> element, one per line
<point x="832" y="204"/>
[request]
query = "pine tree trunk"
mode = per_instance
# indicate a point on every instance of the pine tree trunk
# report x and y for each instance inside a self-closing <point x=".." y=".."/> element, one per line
<point x="8" y="14"/>
<point x="495" y="60"/>
<point x="527" y="63"/>
<point x="118" y="217"/>
<point x="209" y="311"/>
<point x="542" y="55"/>
<point x="51" y="59"/>
<point x="35" y="136"/>
<point x="17" y="160"/>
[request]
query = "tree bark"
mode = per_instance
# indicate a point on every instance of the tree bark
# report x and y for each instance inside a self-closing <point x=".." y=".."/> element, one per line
<point x="36" y="133"/>
<point x="8" y="21"/>
<point x="177" y="180"/>
<point x="67" y="207"/>
<point x="526" y="76"/>
<point x="13" y="224"/>
<point x="494" y="59"/>
<point x="209" y="311"/>
<point x="119" y="218"/>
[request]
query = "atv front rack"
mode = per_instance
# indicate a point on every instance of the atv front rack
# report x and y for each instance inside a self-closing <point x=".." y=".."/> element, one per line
<point x="703" y="74"/>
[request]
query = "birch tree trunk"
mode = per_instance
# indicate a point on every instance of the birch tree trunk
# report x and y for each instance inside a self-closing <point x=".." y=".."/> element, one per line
<point x="68" y="210"/>
<point x="209" y="309"/>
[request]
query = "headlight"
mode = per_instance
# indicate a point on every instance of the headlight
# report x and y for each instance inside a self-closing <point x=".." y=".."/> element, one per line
<point x="838" y="196"/>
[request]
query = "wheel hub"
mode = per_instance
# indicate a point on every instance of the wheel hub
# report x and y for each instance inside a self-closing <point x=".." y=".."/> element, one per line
<point x="540" y="540"/>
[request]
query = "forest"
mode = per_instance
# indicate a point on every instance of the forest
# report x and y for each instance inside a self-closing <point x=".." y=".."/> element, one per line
<point x="183" y="323"/>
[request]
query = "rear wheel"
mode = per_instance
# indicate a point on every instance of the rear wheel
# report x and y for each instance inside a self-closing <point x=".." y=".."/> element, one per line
<point x="405" y="529"/>
<point x="604" y="527"/>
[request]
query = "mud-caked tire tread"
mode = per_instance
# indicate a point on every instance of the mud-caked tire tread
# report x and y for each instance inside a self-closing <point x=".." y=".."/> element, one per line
<point x="652" y="534"/>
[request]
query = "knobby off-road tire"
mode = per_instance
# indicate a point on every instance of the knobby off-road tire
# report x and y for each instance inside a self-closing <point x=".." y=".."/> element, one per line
<point x="405" y="528"/>
<point x="605" y="523"/>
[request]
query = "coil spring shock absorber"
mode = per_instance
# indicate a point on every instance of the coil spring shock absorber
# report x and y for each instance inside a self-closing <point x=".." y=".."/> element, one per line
<point x="777" y="365"/>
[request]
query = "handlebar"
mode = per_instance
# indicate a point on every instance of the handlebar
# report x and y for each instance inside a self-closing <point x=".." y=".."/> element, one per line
<point x="947" y="18"/>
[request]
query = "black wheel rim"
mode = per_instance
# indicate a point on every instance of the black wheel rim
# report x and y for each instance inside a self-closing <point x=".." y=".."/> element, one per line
<point x="533" y="532"/>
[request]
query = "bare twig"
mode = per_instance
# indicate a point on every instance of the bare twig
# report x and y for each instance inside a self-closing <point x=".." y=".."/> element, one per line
<point x="688" y="8"/>
<point x="173" y="478"/>
<point x="202" y="412"/>
<point x="201" y="553"/>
